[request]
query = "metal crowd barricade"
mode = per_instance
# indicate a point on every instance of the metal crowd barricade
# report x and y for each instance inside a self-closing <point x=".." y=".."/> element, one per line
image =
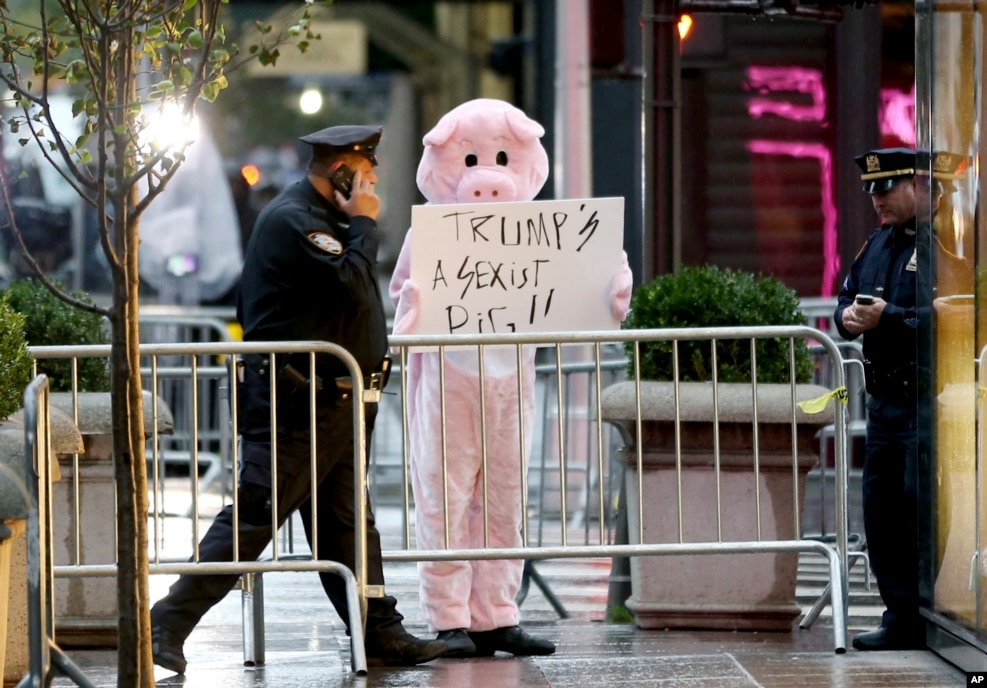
<point x="569" y="414"/>
<point x="45" y="656"/>
<point x="566" y="547"/>
<point x="201" y="416"/>
<point x="538" y="540"/>
<point x="855" y="427"/>
<point x="172" y="560"/>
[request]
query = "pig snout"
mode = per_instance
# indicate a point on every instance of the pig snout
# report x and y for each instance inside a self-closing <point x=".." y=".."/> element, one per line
<point x="486" y="186"/>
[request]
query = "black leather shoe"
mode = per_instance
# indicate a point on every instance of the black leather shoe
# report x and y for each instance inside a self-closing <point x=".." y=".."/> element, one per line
<point x="885" y="639"/>
<point x="402" y="649"/>
<point x="511" y="639"/>
<point x="166" y="648"/>
<point x="458" y="643"/>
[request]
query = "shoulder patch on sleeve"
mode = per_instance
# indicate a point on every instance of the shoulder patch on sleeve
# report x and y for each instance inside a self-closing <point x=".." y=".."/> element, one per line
<point x="325" y="241"/>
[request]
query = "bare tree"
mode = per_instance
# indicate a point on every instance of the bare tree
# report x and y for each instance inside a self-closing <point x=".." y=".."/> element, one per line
<point x="120" y="59"/>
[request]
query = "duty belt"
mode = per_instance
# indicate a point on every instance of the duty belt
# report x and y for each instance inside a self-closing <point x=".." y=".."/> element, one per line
<point x="376" y="381"/>
<point x="892" y="383"/>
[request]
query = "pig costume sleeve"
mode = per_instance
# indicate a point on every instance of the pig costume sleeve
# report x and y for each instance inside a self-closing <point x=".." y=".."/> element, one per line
<point x="481" y="151"/>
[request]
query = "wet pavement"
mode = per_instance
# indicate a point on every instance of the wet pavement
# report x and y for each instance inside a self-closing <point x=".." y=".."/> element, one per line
<point x="306" y="646"/>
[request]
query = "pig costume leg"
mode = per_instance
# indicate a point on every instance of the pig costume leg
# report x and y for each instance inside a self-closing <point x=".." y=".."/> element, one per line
<point x="478" y="595"/>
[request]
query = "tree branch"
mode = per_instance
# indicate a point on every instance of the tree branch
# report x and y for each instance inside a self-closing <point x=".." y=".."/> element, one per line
<point x="15" y="230"/>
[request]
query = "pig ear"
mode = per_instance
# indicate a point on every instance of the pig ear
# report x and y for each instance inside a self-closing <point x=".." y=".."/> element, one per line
<point x="441" y="132"/>
<point x="522" y="126"/>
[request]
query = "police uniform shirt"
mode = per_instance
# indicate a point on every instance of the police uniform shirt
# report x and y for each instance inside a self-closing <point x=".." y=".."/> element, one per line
<point x="310" y="273"/>
<point x="887" y="267"/>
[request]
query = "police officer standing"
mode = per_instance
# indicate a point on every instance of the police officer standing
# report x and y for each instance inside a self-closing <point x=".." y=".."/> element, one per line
<point x="879" y="300"/>
<point x="310" y="273"/>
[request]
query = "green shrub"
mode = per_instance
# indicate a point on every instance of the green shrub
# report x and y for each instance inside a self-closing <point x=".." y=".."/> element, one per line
<point x="717" y="297"/>
<point x="15" y="360"/>
<point x="52" y="322"/>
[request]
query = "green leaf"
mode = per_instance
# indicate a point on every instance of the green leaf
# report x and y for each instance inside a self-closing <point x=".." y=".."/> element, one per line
<point x="269" y="57"/>
<point x="220" y="56"/>
<point x="211" y="91"/>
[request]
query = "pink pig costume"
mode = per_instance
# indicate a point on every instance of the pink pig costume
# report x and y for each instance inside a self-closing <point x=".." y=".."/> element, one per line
<point x="481" y="151"/>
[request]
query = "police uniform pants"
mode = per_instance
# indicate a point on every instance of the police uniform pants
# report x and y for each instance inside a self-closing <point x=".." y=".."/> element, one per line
<point x="192" y="595"/>
<point x="891" y="519"/>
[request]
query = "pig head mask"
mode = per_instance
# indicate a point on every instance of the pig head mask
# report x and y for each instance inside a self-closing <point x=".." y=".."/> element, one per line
<point x="483" y="151"/>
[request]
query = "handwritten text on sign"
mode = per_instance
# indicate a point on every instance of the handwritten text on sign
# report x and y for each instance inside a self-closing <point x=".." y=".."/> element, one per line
<point x="537" y="266"/>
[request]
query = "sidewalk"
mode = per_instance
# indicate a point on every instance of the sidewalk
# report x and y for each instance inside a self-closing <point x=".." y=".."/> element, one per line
<point x="306" y="646"/>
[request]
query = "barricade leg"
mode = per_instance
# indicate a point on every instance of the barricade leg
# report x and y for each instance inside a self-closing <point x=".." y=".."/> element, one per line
<point x="836" y="588"/>
<point x="252" y="608"/>
<point x="817" y="607"/>
<point x="531" y="575"/>
<point x="358" y="651"/>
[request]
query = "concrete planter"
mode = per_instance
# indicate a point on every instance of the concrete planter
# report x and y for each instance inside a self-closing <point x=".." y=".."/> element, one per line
<point x="86" y="607"/>
<point x="724" y="592"/>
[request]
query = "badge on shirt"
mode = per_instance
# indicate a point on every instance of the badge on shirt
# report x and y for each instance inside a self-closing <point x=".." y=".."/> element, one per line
<point x="912" y="262"/>
<point x="326" y="242"/>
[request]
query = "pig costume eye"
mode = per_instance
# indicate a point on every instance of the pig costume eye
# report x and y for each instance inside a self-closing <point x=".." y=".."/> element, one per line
<point x="471" y="159"/>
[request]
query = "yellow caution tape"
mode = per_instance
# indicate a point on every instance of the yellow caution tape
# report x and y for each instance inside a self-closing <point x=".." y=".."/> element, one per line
<point x="235" y="330"/>
<point x="817" y="405"/>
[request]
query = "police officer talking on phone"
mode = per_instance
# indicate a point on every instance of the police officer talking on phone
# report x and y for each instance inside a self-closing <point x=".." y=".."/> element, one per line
<point x="879" y="301"/>
<point x="309" y="273"/>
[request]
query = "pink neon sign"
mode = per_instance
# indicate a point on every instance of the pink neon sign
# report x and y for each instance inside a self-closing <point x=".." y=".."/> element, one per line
<point x="896" y="117"/>
<point x="896" y="120"/>
<point x="773" y="80"/>
<point x="768" y="81"/>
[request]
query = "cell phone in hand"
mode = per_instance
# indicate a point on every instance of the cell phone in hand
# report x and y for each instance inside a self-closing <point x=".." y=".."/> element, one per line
<point x="864" y="299"/>
<point x="342" y="180"/>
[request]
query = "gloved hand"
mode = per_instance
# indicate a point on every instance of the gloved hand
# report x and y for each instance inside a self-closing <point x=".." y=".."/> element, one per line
<point x="620" y="289"/>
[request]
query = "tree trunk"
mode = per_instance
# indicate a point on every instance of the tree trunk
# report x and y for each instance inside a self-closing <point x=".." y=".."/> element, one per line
<point x="135" y="664"/>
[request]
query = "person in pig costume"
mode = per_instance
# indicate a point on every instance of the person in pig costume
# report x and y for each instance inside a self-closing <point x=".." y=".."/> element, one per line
<point x="481" y="151"/>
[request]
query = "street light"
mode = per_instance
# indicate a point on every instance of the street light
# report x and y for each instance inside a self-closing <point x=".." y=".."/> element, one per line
<point x="684" y="25"/>
<point x="170" y="128"/>
<point x="310" y="101"/>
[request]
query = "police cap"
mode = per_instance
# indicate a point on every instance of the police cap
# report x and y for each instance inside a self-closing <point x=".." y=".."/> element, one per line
<point x="359" y="139"/>
<point x="945" y="168"/>
<point x="884" y="167"/>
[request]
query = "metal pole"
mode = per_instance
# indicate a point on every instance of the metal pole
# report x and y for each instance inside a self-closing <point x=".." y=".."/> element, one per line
<point x="661" y="114"/>
<point x="572" y="173"/>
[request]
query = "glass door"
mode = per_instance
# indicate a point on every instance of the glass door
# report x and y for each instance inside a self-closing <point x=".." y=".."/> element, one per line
<point x="949" y="54"/>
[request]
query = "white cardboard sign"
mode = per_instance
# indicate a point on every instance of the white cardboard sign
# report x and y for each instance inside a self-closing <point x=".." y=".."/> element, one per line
<point x="536" y="266"/>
